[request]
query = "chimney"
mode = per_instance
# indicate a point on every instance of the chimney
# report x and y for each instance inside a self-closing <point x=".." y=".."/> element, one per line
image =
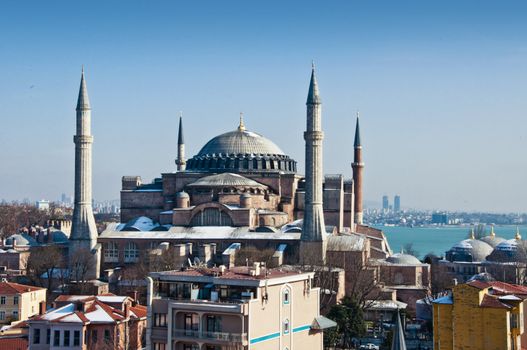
<point x="256" y="267"/>
<point x="136" y="296"/>
<point x="222" y="270"/>
<point x="50" y="236"/>
<point x="42" y="308"/>
<point x="454" y="281"/>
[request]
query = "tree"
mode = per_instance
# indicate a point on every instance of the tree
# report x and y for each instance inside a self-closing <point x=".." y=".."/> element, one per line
<point x="479" y="231"/>
<point x="80" y="264"/>
<point x="251" y="254"/>
<point x="43" y="264"/>
<point x="408" y="248"/>
<point x="350" y="324"/>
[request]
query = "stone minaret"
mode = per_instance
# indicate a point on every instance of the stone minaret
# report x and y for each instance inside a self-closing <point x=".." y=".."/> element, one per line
<point x="83" y="236"/>
<point x="313" y="232"/>
<point x="357" y="167"/>
<point x="181" y="162"/>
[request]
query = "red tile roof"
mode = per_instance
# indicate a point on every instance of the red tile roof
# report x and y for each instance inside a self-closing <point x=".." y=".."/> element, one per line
<point x="10" y="288"/>
<point x="13" y="343"/>
<point x="139" y="310"/>
<point x="493" y="302"/>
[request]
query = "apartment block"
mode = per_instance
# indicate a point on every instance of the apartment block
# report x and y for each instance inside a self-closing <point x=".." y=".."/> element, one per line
<point x="236" y="309"/>
<point x="19" y="302"/>
<point x="481" y="315"/>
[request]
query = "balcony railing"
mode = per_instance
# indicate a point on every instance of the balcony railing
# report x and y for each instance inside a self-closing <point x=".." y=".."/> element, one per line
<point x="218" y="336"/>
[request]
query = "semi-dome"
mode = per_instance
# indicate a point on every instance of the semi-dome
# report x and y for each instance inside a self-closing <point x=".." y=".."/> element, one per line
<point x="469" y="250"/>
<point x="226" y="180"/>
<point x="492" y="239"/>
<point x="21" y="240"/>
<point x="241" y="151"/>
<point x="403" y="259"/>
<point x="507" y="251"/>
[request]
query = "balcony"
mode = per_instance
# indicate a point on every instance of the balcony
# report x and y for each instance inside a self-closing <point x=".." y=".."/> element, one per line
<point x="210" y="336"/>
<point x="221" y="306"/>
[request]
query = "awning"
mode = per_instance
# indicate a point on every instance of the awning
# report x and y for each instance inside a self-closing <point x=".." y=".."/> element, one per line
<point x="321" y="322"/>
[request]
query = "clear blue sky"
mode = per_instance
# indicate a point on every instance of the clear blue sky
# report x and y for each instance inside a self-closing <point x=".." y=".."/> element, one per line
<point x="441" y="87"/>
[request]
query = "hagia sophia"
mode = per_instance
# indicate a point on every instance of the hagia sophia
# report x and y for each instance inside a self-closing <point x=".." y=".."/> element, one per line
<point x="242" y="190"/>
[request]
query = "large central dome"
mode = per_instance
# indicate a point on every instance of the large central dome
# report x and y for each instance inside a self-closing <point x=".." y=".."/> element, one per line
<point x="240" y="142"/>
<point x="241" y="151"/>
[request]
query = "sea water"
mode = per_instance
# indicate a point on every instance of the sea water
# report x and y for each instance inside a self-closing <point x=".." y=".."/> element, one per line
<point x="439" y="239"/>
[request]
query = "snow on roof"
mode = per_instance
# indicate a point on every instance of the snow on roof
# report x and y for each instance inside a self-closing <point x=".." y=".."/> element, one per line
<point x="54" y="314"/>
<point x="99" y="315"/>
<point x="199" y="232"/>
<point x="71" y="318"/>
<point x="112" y="298"/>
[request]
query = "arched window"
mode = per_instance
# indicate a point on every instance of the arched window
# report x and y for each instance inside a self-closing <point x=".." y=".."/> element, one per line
<point x="111" y="252"/>
<point x="211" y="217"/>
<point x="131" y="253"/>
<point x="286" y="326"/>
<point x="286" y="296"/>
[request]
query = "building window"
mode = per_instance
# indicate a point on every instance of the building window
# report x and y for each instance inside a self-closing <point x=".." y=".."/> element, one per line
<point x="76" y="338"/>
<point x="190" y="347"/>
<point x="111" y="252"/>
<point x="159" y="346"/>
<point x="66" y="338"/>
<point x="106" y="335"/>
<point x="213" y="323"/>
<point x="15" y="300"/>
<point x="2" y="315"/>
<point x="36" y="336"/>
<point x="2" y="300"/>
<point x="15" y="315"/>
<point x="211" y="217"/>
<point x="131" y="253"/>
<point x="56" y="338"/>
<point x="286" y="296"/>
<point x="48" y="335"/>
<point x="94" y="336"/>
<point x="160" y="320"/>
<point x="286" y="326"/>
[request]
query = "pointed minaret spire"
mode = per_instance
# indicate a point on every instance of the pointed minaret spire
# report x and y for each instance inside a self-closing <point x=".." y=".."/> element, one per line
<point x="358" y="167"/>
<point x="181" y="162"/>
<point x="83" y="102"/>
<point x="313" y="96"/>
<point x="83" y="238"/>
<point x="357" y="143"/>
<point x="492" y="234"/>
<point x="518" y="236"/>
<point x="313" y="238"/>
<point x="472" y="234"/>
<point x="398" y="342"/>
<point x="241" y="127"/>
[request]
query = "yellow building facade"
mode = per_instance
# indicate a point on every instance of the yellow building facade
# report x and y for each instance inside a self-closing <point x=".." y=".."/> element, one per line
<point x="480" y="316"/>
<point x="19" y="302"/>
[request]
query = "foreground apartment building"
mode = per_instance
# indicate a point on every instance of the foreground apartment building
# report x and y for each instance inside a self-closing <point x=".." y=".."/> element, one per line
<point x="236" y="309"/>
<point x="481" y="315"/>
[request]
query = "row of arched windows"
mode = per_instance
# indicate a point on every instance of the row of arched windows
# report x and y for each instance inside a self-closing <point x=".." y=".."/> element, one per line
<point x="111" y="252"/>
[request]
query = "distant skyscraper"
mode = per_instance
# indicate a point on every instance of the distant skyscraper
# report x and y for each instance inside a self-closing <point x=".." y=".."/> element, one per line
<point x="397" y="203"/>
<point x="385" y="203"/>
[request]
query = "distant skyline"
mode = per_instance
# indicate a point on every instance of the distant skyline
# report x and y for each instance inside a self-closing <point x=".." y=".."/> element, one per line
<point x="440" y="88"/>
